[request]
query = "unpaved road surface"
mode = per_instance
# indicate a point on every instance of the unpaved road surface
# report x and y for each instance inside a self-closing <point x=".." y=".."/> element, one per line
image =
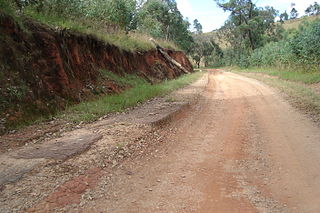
<point x="239" y="148"/>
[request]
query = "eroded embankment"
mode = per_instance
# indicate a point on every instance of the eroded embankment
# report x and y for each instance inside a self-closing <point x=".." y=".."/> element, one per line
<point x="43" y="69"/>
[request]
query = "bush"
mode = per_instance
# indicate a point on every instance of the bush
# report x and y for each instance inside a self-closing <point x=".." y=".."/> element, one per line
<point x="306" y="45"/>
<point x="302" y="50"/>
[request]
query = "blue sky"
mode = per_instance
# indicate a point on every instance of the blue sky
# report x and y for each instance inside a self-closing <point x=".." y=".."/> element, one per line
<point x="211" y="17"/>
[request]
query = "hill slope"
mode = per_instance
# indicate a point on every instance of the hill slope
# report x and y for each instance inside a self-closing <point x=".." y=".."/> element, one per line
<point x="44" y="69"/>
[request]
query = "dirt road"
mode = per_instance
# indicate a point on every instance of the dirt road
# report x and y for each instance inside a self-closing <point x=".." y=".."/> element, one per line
<point x="240" y="149"/>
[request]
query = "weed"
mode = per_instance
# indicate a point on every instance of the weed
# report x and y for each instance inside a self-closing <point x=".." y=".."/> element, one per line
<point x="127" y="79"/>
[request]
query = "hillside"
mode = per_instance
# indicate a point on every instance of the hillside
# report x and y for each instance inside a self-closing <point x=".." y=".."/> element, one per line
<point x="294" y="24"/>
<point x="289" y="24"/>
<point x="45" y="69"/>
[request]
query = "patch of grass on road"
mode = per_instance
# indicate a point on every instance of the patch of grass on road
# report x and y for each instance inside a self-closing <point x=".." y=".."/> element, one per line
<point x="298" y="76"/>
<point x="139" y="93"/>
<point x="298" y="94"/>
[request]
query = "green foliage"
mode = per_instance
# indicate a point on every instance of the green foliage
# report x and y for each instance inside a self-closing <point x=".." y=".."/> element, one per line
<point x="294" y="13"/>
<point x="131" y="41"/>
<point x="197" y="26"/>
<point x="122" y="13"/>
<point x="313" y="9"/>
<point x="247" y="28"/>
<point x="306" y="44"/>
<point x="301" y="50"/>
<point x="205" y="49"/>
<point x="162" y="19"/>
<point x="7" y="6"/>
<point x="284" y="17"/>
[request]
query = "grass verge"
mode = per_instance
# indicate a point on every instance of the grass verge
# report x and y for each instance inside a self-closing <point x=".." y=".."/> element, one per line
<point x="297" y="76"/>
<point x="299" y="94"/>
<point x="139" y="93"/>
<point x="125" y="41"/>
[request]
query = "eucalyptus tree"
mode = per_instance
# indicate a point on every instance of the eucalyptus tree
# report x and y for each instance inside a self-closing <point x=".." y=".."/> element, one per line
<point x="294" y="13"/>
<point x="248" y="26"/>
<point x="313" y="9"/>
<point x="197" y="26"/>
<point x="162" y="19"/>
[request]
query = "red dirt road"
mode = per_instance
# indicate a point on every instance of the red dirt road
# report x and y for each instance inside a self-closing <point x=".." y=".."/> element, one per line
<point x="241" y="148"/>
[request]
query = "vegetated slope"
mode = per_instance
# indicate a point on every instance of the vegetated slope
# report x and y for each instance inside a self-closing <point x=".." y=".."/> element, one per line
<point x="42" y="69"/>
<point x="289" y="24"/>
<point x="294" y="23"/>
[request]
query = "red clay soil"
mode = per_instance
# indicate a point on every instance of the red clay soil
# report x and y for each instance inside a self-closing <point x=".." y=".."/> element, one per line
<point x="70" y="192"/>
<point x="43" y="69"/>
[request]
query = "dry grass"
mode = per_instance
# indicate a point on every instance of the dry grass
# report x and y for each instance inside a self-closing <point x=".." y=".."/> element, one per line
<point x="294" y="24"/>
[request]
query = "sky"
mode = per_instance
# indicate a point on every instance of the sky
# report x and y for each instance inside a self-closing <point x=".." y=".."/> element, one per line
<point x="211" y="17"/>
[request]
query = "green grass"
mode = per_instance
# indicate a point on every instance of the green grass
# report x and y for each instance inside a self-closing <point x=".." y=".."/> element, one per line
<point x="126" y="80"/>
<point x="125" y="41"/>
<point x="298" y="76"/>
<point x="139" y="93"/>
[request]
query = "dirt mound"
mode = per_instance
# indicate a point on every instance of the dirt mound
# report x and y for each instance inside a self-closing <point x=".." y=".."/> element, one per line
<point x="43" y="69"/>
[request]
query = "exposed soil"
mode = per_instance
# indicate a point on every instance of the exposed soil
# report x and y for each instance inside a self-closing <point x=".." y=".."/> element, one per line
<point x="238" y="147"/>
<point x="316" y="88"/>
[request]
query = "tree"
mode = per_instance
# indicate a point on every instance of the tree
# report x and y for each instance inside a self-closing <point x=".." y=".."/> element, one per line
<point x="197" y="26"/>
<point x="162" y="19"/>
<point x="247" y="28"/>
<point x="284" y="17"/>
<point x="247" y="23"/>
<point x="203" y="48"/>
<point x="294" y="13"/>
<point x="122" y="13"/>
<point x="313" y="9"/>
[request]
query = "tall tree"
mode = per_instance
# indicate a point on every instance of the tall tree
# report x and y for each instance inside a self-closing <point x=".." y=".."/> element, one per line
<point x="247" y="22"/>
<point x="284" y="17"/>
<point x="247" y="28"/>
<point x="197" y="26"/>
<point x="294" y="13"/>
